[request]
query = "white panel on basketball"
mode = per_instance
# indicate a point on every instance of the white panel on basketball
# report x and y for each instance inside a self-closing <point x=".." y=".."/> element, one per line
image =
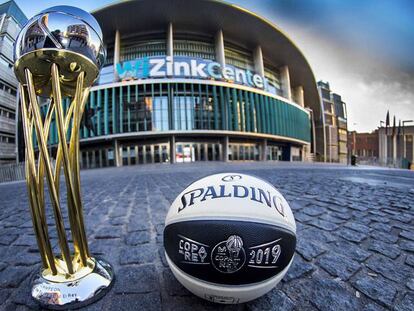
<point x="229" y="237"/>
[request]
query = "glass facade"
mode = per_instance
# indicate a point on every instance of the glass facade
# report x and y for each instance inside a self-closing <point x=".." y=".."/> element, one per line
<point x="147" y="48"/>
<point x="193" y="48"/>
<point x="238" y="57"/>
<point x="187" y="107"/>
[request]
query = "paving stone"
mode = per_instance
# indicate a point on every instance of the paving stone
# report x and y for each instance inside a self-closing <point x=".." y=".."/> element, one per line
<point x="323" y="224"/>
<point x="410" y="284"/>
<point x="341" y="216"/>
<point x="128" y="302"/>
<point x="136" y="238"/>
<point x="407" y="234"/>
<point x="379" y="219"/>
<point x="13" y="276"/>
<point x="136" y="279"/>
<point x="332" y="218"/>
<point x="373" y="307"/>
<point x="338" y="265"/>
<point x="410" y="260"/>
<point x="315" y="234"/>
<point x="25" y="240"/>
<point x="4" y="294"/>
<point x="309" y="249"/>
<point x="172" y="286"/>
<point x="378" y="289"/>
<point x="338" y="208"/>
<point x="314" y="210"/>
<point x="406" y="304"/>
<point x="139" y="254"/>
<point x="405" y="218"/>
<point x="384" y="236"/>
<point x="381" y="227"/>
<point x="324" y="294"/>
<point x="301" y="217"/>
<point x="351" y="235"/>
<point x="358" y="207"/>
<point x="298" y="269"/>
<point x="357" y="227"/>
<point x="349" y="250"/>
<point x="387" y="249"/>
<point x="275" y="300"/>
<point x="109" y="232"/>
<point x="7" y="239"/>
<point x="388" y="268"/>
<point x="407" y="245"/>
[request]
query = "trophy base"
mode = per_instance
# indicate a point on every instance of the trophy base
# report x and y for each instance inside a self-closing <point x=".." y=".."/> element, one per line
<point x="73" y="294"/>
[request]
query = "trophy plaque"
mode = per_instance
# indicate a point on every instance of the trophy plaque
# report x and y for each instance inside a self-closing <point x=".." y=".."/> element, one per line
<point x="58" y="55"/>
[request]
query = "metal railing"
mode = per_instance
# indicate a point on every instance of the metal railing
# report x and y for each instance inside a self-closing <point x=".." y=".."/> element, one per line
<point x="12" y="172"/>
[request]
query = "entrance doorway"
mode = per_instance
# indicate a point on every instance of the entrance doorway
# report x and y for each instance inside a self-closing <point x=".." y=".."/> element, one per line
<point x="191" y="152"/>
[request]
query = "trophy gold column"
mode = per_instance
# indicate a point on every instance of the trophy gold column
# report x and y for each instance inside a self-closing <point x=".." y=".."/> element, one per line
<point x="58" y="55"/>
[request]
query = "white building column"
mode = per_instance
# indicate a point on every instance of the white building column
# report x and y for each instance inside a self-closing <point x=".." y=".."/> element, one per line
<point x="264" y="150"/>
<point x="285" y="81"/>
<point x="299" y="95"/>
<point x="404" y="151"/>
<point x="394" y="148"/>
<point x="258" y="61"/>
<point x="117" y="154"/>
<point x="117" y="53"/>
<point x="219" y="48"/>
<point x="170" y="41"/>
<point x="412" y="159"/>
<point x="225" y="149"/>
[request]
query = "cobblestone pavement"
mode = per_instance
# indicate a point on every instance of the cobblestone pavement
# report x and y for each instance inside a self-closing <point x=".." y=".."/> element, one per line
<point x="355" y="237"/>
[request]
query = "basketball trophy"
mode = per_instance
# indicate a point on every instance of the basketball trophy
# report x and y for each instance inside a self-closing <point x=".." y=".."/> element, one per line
<point x="58" y="56"/>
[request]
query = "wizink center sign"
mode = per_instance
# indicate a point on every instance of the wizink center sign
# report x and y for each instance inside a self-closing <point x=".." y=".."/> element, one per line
<point x="185" y="67"/>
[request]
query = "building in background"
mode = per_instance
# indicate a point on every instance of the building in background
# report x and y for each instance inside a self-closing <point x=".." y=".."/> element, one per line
<point x="334" y="126"/>
<point x="364" y="145"/>
<point x="190" y="80"/>
<point x="396" y="148"/>
<point x="11" y="21"/>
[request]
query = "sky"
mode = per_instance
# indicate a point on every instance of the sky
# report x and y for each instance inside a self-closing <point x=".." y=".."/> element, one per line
<point x="363" y="48"/>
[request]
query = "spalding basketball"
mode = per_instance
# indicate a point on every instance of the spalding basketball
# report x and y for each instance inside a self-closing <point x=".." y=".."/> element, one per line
<point x="229" y="238"/>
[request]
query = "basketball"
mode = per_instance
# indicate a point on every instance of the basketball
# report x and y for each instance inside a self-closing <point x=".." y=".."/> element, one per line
<point x="229" y="238"/>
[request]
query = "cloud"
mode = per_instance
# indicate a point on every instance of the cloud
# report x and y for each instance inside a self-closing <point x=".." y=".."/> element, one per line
<point x="365" y="54"/>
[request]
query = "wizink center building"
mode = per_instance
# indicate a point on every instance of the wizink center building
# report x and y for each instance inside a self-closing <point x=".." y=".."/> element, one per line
<point x="196" y="80"/>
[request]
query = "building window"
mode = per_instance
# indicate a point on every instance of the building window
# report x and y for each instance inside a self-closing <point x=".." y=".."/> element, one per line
<point x="238" y="57"/>
<point x="4" y="62"/>
<point x="142" y="49"/>
<point x="192" y="48"/>
<point x="272" y="76"/>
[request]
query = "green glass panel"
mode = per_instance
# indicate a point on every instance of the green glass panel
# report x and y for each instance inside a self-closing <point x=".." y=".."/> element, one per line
<point x="229" y="110"/>
<point x="129" y="107"/>
<point x="223" y="109"/>
<point x="215" y="108"/>
<point x="208" y="108"/>
<point x="98" y="109"/>
<point x="253" y="116"/>
<point x="234" y="103"/>
<point x="200" y="107"/>
<point x="241" y="110"/>
<point x="106" y="117"/>
<point x="121" y="110"/>
<point x="92" y="113"/>
<point x="114" y="123"/>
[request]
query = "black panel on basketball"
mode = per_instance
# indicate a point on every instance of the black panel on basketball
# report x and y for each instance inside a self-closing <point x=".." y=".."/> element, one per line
<point x="227" y="251"/>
